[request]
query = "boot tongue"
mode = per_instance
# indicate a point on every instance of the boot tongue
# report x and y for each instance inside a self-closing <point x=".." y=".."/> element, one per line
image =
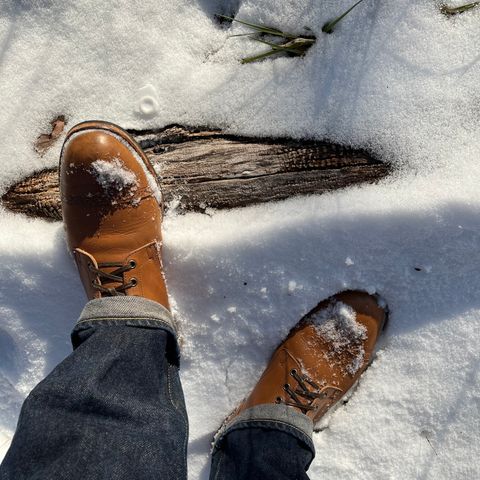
<point x="102" y="278"/>
<point x="274" y="378"/>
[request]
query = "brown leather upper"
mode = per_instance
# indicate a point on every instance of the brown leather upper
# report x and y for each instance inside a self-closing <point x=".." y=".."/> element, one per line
<point x="327" y="367"/>
<point x="112" y="217"/>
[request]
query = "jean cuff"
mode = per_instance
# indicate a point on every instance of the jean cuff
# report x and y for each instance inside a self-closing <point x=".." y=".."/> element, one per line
<point x="127" y="311"/>
<point x="273" y="417"/>
<point x="137" y="310"/>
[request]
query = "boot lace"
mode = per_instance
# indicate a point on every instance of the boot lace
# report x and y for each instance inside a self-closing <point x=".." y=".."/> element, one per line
<point x="308" y="390"/>
<point x="115" y="276"/>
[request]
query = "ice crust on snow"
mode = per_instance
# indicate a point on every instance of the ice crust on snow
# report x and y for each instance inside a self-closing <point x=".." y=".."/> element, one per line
<point x="112" y="175"/>
<point x="337" y="324"/>
<point x="398" y="78"/>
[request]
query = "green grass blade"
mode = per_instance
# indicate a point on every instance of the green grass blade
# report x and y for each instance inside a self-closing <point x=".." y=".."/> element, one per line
<point x="454" y="10"/>
<point x="329" y="26"/>
<point x="258" y="57"/>
<point x="281" y="47"/>
<point x="260" y="28"/>
<point x="292" y="44"/>
<point x="271" y="44"/>
<point x="243" y="34"/>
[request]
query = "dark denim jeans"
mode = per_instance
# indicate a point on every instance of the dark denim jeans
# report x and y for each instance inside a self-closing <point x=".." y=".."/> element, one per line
<point x="114" y="409"/>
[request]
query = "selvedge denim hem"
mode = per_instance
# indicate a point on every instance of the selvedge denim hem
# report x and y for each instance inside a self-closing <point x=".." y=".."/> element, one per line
<point x="129" y="312"/>
<point x="278" y="417"/>
<point x="136" y="309"/>
<point x="265" y="442"/>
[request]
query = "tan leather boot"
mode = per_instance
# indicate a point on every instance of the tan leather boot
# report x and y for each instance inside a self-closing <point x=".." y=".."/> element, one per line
<point x="322" y="357"/>
<point x="112" y="212"/>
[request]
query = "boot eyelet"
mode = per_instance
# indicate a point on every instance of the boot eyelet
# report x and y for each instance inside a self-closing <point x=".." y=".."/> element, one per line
<point x="278" y="400"/>
<point x="132" y="264"/>
<point x="286" y="386"/>
<point x="134" y="282"/>
<point x="293" y="372"/>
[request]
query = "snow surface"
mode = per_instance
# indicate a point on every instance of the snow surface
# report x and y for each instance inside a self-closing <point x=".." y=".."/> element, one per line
<point x="398" y="78"/>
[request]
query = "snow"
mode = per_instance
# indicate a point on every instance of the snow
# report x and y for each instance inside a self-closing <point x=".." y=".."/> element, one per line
<point x="112" y="175"/>
<point x="338" y="326"/>
<point x="398" y="78"/>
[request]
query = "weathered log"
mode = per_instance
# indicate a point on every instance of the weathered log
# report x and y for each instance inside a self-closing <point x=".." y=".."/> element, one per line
<point x="201" y="168"/>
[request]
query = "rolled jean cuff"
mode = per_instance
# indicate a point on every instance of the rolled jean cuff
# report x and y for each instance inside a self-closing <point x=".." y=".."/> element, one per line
<point x="126" y="311"/>
<point x="272" y="417"/>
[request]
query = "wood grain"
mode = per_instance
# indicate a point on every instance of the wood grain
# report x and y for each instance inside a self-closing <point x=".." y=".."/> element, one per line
<point x="200" y="168"/>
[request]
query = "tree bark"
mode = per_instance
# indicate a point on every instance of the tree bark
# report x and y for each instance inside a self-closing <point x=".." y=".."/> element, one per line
<point x="202" y="168"/>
